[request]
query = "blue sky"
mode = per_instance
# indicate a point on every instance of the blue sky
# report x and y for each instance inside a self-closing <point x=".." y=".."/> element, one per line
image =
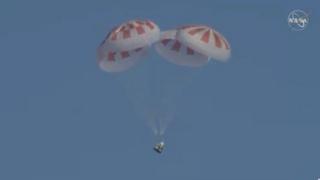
<point x="254" y="118"/>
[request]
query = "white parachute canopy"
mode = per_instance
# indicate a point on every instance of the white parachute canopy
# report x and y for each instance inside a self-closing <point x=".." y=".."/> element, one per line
<point x="113" y="61"/>
<point x="175" y="52"/>
<point x="132" y="34"/>
<point x="205" y="40"/>
<point x="126" y="45"/>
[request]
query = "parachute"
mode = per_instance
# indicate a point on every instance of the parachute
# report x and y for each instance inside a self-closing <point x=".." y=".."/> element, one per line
<point x="206" y="41"/>
<point x="173" y="51"/>
<point x="132" y="34"/>
<point x="126" y="44"/>
<point x="119" y="61"/>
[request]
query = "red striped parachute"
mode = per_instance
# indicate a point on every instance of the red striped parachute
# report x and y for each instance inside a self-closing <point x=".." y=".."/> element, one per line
<point x="133" y="34"/>
<point x="119" y="61"/>
<point x="193" y="46"/>
<point x="126" y="44"/>
<point x="205" y="40"/>
<point x="176" y="52"/>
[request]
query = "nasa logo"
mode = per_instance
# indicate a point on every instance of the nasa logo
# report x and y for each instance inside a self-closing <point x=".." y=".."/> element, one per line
<point x="298" y="20"/>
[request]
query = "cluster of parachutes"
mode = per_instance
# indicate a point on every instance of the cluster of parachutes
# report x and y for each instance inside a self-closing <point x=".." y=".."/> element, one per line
<point x="192" y="45"/>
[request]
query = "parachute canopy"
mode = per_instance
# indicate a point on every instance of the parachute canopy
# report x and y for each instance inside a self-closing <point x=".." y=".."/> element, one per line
<point x="126" y="44"/>
<point x="131" y="35"/>
<point x="205" y="40"/>
<point x="175" y="52"/>
<point x="119" y="61"/>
